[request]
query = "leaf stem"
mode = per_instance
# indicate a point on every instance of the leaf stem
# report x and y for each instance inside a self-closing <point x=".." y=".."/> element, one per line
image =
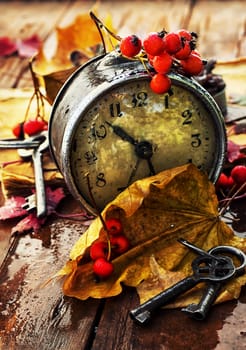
<point x="100" y="25"/>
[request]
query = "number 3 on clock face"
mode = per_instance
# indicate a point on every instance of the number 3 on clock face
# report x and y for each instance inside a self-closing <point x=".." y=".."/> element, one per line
<point x="108" y="126"/>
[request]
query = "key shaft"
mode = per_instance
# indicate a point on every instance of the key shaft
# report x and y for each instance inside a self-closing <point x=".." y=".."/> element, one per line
<point x="36" y="155"/>
<point x="205" y="269"/>
<point x="142" y="314"/>
<point x="196" y="249"/>
<point x="39" y="183"/>
<point x="16" y="144"/>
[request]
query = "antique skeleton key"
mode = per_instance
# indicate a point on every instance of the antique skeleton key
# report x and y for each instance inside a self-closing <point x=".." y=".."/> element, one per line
<point x="199" y="311"/>
<point x="205" y="269"/>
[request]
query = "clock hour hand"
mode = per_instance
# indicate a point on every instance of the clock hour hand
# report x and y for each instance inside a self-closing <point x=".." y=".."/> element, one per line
<point x="143" y="149"/>
<point x="119" y="131"/>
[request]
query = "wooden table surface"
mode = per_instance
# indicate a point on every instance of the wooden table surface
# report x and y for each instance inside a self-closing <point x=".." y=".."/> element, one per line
<point x="37" y="317"/>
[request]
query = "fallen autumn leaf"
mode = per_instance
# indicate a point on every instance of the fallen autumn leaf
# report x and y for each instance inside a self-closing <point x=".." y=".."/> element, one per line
<point x="155" y="212"/>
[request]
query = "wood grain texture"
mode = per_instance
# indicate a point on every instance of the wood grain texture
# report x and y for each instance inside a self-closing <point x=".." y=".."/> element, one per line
<point x="37" y="317"/>
<point x="220" y="25"/>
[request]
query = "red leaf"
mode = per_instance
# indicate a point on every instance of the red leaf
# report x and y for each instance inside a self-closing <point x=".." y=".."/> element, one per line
<point x="29" y="46"/>
<point x="13" y="208"/>
<point x="53" y="198"/>
<point x="30" y="222"/>
<point x="7" y="46"/>
<point x="233" y="151"/>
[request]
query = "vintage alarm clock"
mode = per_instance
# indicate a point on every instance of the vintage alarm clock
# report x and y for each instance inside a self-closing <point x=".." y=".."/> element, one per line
<point x="108" y="126"/>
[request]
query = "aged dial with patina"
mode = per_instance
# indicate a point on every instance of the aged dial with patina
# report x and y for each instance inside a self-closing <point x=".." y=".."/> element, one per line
<point x="131" y="133"/>
<point x="108" y="129"/>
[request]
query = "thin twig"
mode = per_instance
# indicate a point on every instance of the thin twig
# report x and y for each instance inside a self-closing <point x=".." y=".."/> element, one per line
<point x="235" y="196"/>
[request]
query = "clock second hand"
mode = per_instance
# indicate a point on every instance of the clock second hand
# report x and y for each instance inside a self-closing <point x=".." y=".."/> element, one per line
<point x="143" y="149"/>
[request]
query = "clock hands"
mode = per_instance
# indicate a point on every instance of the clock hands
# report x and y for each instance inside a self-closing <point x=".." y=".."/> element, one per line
<point x="143" y="149"/>
<point x="122" y="134"/>
<point x="131" y="177"/>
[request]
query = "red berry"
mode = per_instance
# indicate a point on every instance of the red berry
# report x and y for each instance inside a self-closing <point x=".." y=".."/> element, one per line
<point x="160" y="83"/>
<point x="172" y="42"/>
<point x="34" y="126"/>
<point x="192" y="65"/>
<point x="230" y="182"/>
<point x="238" y="174"/>
<point x="224" y="182"/>
<point x="162" y="63"/>
<point x="114" y="226"/>
<point x="184" y="52"/>
<point x="195" y="52"/>
<point x="18" y="131"/>
<point x="103" y="268"/>
<point x="153" y="44"/>
<point x="130" y="46"/>
<point x="183" y="33"/>
<point x="120" y="244"/>
<point x="150" y="59"/>
<point x="98" y="249"/>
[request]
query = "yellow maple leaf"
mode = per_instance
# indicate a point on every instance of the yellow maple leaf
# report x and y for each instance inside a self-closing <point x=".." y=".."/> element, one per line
<point x="81" y="35"/>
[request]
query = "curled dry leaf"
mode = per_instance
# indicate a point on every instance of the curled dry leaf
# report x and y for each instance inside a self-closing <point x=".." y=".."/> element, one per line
<point x="155" y="212"/>
<point x="53" y="82"/>
<point x="82" y="36"/>
<point x="12" y="208"/>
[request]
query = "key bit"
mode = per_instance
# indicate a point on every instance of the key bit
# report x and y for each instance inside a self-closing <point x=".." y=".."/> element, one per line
<point x="199" y="311"/>
<point x="30" y="204"/>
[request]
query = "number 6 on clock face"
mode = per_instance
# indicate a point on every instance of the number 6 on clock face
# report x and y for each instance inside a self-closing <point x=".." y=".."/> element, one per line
<point x="122" y="131"/>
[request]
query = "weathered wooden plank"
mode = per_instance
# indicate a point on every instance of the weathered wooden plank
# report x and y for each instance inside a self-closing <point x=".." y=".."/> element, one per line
<point x="168" y="329"/>
<point x="32" y="317"/>
<point x="32" y="314"/>
<point x="141" y="17"/>
<point x="221" y="28"/>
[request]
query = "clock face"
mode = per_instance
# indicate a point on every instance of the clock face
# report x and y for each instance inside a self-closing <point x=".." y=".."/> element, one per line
<point x="130" y="132"/>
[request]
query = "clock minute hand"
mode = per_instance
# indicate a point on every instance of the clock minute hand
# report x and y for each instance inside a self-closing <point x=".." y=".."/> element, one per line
<point x="119" y="131"/>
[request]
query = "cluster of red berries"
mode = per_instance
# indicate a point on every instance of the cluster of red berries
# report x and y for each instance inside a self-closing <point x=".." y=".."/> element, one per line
<point x="99" y="250"/>
<point x="30" y="127"/>
<point x="232" y="182"/>
<point x="164" y="51"/>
